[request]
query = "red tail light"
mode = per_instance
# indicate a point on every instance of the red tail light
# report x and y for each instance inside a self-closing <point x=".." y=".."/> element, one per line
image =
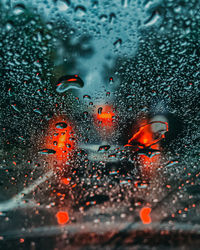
<point x="60" y="138"/>
<point x="148" y="138"/>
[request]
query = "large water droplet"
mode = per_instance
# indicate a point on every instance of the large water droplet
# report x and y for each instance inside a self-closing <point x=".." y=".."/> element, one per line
<point x="80" y="10"/>
<point x="100" y="110"/>
<point x="86" y="97"/>
<point x="18" y="9"/>
<point x="153" y="19"/>
<point x="104" y="148"/>
<point x="111" y="80"/>
<point x="69" y="82"/>
<point x="61" y="125"/>
<point x="117" y="43"/>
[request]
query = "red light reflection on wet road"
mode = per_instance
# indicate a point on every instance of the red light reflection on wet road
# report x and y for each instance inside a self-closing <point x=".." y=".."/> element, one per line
<point x="145" y="215"/>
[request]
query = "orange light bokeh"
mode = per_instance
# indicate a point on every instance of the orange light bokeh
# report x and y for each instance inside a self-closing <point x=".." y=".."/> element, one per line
<point x="65" y="181"/>
<point x="62" y="217"/>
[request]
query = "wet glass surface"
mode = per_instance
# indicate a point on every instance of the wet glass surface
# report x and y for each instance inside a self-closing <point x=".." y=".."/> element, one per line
<point x="99" y="127"/>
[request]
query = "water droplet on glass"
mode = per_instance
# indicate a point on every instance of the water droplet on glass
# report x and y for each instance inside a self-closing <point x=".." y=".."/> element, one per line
<point x="61" y="125"/>
<point x="103" y="18"/>
<point x="177" y="9"/>
<point x="47" y="152"/>
<point x="111" y="80"/>
<point x="63" y="5"/>
<point x="15" y="107"/>
<point x="117" y="43"/>
<point x="112" y="17"/>
<point x="9" y="26"/>
<point x="18" y="9"/>
<point x="37" y="111"/>
<point x="125" y="3"/>
<point x="100" y="110"/>
<point x="69" y="82"/>
<point x="153" y="19"/>
<point x="86" y="97"/>
<point x="104" y="148"/>
<point x="85" y="114"/>
<point x="80" y="10"/>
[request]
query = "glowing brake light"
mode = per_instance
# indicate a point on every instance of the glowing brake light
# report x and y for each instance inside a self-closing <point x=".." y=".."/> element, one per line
<point x="146" y="136"/>
<point x="60" y="138"/>
<point x="146" y="142"/>
<point x="105" y="116"/>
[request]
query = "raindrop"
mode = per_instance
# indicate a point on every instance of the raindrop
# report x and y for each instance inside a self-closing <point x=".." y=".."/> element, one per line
<point x="177" y="9"/>
<point x="47" y="152"/>
<point x="19" y="9"/>
<point x="125" y="3"/>
<point x="111" y="80"/>
<point x="10" y="92"/>
<point x="153" y="19"/>
<point x="86" y="97"/>
<point x="124" y="182"/>
<point x="104" y="148"/>
<point x="142" y="184"/>
<point x="61" y="125"/>
<point x="171" y="163"/>
<point x="85" y="114"/>
<point x="117" y="43"/>
<point x="15" y="107"/>
<point x="69" y="82"/>
<point x="100" y="110"/>
<point x="63" y="5"/>
<point x="95" y="4"/>
<point x="103" y="18"/>
<point x="148" y="152"/>
<point x="37" y="111"/>
<point x="9" y="26"/>
<point x="113" y="172"/>
<point x="112" y="17"/>
<point x="112" y="156"/>
<point x="80" y="10"/>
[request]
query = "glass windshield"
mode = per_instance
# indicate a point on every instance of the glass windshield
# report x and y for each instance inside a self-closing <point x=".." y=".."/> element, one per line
<point x="99" y="124"/>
